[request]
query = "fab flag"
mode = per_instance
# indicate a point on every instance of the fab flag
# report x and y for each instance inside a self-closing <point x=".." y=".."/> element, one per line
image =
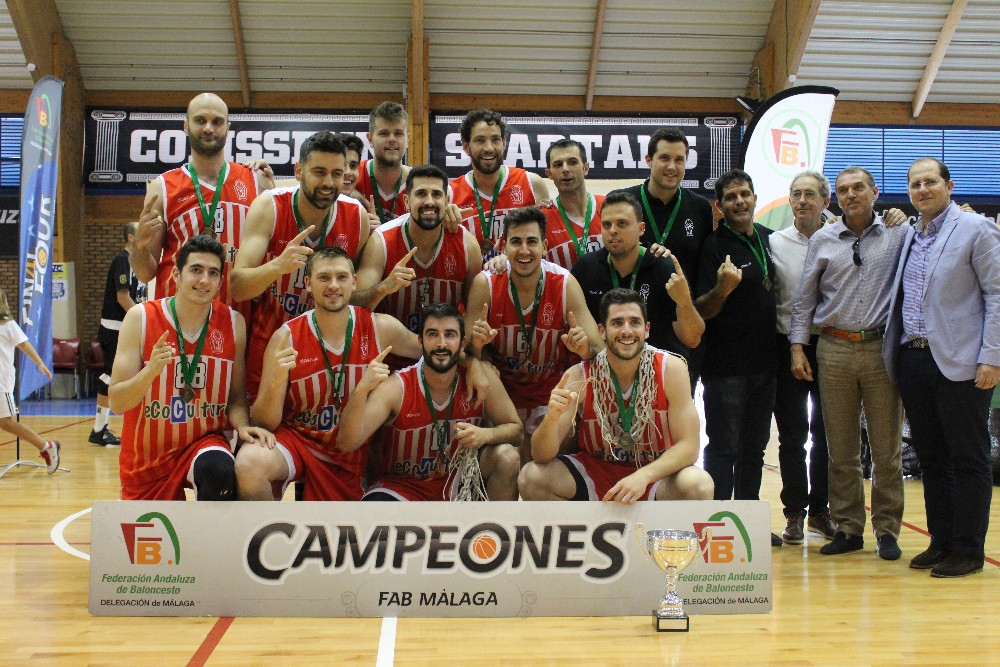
<point x="39" y="168"/>
<point x="787" y="135"/>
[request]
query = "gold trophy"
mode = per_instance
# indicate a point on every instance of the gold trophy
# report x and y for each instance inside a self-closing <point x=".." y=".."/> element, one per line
<point x="672" y="551"/>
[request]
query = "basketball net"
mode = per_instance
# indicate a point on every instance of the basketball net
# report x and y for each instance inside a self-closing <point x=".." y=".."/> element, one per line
<point x="471" y="485"/>
<point x="605" y="404"/>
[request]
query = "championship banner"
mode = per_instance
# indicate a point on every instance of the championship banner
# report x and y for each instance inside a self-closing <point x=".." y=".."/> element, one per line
<point x="426" y="559"/>
<point x="124" y="149"/>
<point x="616" y="146"/>
<point x="10" y="218"/>
<point x="787" y="135"/>
<point x="39" y="168"/>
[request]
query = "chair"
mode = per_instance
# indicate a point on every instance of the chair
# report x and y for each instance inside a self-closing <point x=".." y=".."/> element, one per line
<point x="94" y="361"/>
<point x="66" y="358"/>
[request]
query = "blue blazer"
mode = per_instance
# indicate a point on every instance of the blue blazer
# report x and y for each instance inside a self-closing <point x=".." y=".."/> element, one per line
<point x="962" y="300"/>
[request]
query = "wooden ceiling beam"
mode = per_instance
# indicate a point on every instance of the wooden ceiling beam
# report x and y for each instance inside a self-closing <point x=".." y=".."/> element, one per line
<point x="787" y="36"/>
<point x="595" y="53"/>
<point x="937" y="55"/>
<point x="241" y="51"/>
<point x="417" y="87"/>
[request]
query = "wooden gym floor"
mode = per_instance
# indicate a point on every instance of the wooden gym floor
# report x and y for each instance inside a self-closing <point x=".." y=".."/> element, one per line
<point x="854" y="609"/>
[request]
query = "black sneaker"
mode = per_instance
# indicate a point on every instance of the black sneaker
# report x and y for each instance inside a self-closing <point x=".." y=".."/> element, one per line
<point x="887" y="547"/>
<point x="104" y="438"/>
<point x="957" y="565"/>
<point x="934" y="555"/>
<point x="842" y="543"/>
<point x="776" y="540"/>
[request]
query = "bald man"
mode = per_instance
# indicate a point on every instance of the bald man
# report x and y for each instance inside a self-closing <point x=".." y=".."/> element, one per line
<point x="175" y="209"/>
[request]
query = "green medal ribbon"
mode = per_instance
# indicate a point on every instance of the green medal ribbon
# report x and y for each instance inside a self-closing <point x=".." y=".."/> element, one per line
<point x="628" y="414"/>
<point x="581" y="246"/>
<point x="208" y="214"/>
<point x="336" y="380"/>
<point x="635" y="270"/>
<point x="301" y="225"/>
<point x="188" y="370"/>
<point x="424" y="287"/>
<point x="529" y="334"/>
<point x="761" y="257"/>
<point x="487" y="229"/>
<point x="440" y="430"/>
<point x="652" y="220"/>
<point x="383" y="216"/>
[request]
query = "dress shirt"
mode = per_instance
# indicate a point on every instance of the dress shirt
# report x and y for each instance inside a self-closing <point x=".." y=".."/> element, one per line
<point x="915" y="278"/>
<point x="788" y="247"/>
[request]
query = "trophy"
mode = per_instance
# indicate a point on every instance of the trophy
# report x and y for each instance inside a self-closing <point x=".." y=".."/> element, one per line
<point x="672" y="551"/>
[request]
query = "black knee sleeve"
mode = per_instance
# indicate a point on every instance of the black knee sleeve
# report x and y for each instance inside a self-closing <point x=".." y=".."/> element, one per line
<point x="215" y="476"/>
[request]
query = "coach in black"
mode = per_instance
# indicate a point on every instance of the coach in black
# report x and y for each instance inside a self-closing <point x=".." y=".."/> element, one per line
<point x="736" y="298"/>
<point x="675" y="324"/>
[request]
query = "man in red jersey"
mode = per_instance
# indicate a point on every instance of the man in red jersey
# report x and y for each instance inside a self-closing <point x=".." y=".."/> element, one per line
<point x="179" y="380"/>
<point x="414" y="261"/>
<point x="311" y="365"/>
<point x="284" y="226"/>
<point x="638" y="430"/>
<point x="490" y="190"/>
<point x="355" y="149"/>
<point x="388" y="137"/>
<point x="436" y="446"/>
<point x="175" y="210"/>
<point x="532" y="317"/>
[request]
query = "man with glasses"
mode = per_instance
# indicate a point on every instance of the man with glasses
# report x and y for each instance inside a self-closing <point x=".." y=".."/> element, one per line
<point x="844" y="293"/>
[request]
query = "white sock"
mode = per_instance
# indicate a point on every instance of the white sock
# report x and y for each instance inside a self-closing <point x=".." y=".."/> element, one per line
<point x="101" y="420"/>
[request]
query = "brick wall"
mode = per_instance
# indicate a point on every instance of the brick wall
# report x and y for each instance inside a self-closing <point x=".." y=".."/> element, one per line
<point x="102" y="243"/>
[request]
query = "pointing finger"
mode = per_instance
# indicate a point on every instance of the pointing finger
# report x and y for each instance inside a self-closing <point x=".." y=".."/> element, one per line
<point x="163" y="338"/>
<point x="677" y="265"/>
<point x="572" y="320"/>
<point x="563" y="381"/>
<point x="285" y="335"/>
<point x="301" y="235"/>
<point x="383" y="354"/>
<point x="408" y="256"/>
<point x="486" y="312"/>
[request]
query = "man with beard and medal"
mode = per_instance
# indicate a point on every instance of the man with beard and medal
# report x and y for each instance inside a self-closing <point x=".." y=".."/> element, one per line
<point x="532" y="317"/>
<point x="489" y="191"/>
<point x="175" y="210"/>
<point x="414" y="261"/>
<point x="638" y="428"/>
<point x="284" y="226"/>
<point x="311" y="365"/>
<point x="436" y="444"/>
<point x="385" y="173"/>
<point x="736" y="298"/>
<point x="178" y="378"/>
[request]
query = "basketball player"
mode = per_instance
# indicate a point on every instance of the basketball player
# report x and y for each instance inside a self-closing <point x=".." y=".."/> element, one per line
<point x="175" y="210"/>
<point x="284" y="226"/>
<point x="437" y="447"/>
<point x="179" y="380"/>
<point x="355" y="149"/>
<point x="638" y="431"/>
<point x="311" y="366"/>
<point x="414" y="261"/>
<point x="532" y="316"/>
<point x="490" y="188"/>
<point x="388" y="137"/>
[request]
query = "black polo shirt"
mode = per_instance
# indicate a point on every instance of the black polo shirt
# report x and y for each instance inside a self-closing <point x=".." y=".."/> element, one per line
<point x="693" y="224"/>
<point x="120" y="276"/>
<point x="740" y="339"/>
<point x="593" y="271"/>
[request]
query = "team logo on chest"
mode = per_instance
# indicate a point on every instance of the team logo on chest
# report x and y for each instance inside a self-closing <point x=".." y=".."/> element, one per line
<point x="689" y="227"/>
<point x="241" y="190"/>
<point x="215" y="342"/>
<point x="644" y="291"/>
<point x="517" y="195"/>
<point x="341" y="241"/>
<point x="364" y="347"/>
<point x="450" y="264"/>
<point x="547" y="314"/>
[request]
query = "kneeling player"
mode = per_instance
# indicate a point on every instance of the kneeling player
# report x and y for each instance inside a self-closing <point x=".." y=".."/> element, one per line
<point x="176" y="406"/>
<point x="436" y="447"/>
<point x="638" y="432"/>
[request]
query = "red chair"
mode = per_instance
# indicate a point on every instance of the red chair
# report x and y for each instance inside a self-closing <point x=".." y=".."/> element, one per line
<point x="66" y="359"/>
<point x="94" y="359"/>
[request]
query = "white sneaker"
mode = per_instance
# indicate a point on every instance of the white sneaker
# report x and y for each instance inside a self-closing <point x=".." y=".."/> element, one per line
<point x="51" y="456"/>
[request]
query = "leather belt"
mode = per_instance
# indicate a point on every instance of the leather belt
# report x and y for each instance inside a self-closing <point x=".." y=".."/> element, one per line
<point x="917" y="343"/>
<point x="856" y="336"/>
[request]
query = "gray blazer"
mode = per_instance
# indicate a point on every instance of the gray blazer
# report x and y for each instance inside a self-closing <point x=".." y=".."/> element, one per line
<point x="962" y="301"/>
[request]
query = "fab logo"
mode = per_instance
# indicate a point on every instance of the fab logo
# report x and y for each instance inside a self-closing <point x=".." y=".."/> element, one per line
<point x="792" y="142"/>
<point x="145" y="540"/>
<point x="724" y="539"/>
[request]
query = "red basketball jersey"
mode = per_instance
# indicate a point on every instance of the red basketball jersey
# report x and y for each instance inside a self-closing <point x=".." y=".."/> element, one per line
<point x="561" y="249"/>
<point x="515" y="192"/>
<point x="309" y="403"/>
<point x="163" y="425"/>
<point x="183" y="217"/>
<point x="530" y="379"/>
<point x="442" y="277"/>
<point x="411" y="446"/>
<point x="365" y="187"/>
<point x="287" y="297"/>
<point x="654" y="440"/>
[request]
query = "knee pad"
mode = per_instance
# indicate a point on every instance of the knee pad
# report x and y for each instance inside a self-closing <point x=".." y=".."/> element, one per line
<point x="215" y="476"/>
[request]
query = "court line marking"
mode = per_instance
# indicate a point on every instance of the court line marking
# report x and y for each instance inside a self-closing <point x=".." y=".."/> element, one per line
<point x="211" y="641"/>
<point x="56" y="535"/>
<point x="51" y="430"/>
<point x="386" y="642"/>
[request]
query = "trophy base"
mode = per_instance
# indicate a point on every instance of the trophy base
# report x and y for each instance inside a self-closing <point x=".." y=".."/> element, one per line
<point x="670" y="623"/>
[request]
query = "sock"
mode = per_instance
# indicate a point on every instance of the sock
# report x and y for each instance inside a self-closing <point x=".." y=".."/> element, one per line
<point x="101" y="420"/>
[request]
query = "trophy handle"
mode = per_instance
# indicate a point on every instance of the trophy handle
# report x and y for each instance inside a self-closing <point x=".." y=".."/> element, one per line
<point x="640" y="530"/>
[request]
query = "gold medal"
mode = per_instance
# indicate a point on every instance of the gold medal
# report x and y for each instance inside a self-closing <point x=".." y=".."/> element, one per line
<point x="486" y="247"/>
<point x="188" y="393"/>
<point x="768" y="283"/>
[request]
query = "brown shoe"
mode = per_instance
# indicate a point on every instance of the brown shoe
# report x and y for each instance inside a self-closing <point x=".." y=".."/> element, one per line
<point x="793" y="531"/>
<point x="822" y="523"/>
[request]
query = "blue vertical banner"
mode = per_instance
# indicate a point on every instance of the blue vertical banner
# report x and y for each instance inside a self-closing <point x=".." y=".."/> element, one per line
<point x="39" y="169"/>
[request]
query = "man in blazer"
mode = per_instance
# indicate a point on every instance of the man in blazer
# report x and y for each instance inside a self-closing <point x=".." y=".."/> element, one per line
<point x="942" y="347"/>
